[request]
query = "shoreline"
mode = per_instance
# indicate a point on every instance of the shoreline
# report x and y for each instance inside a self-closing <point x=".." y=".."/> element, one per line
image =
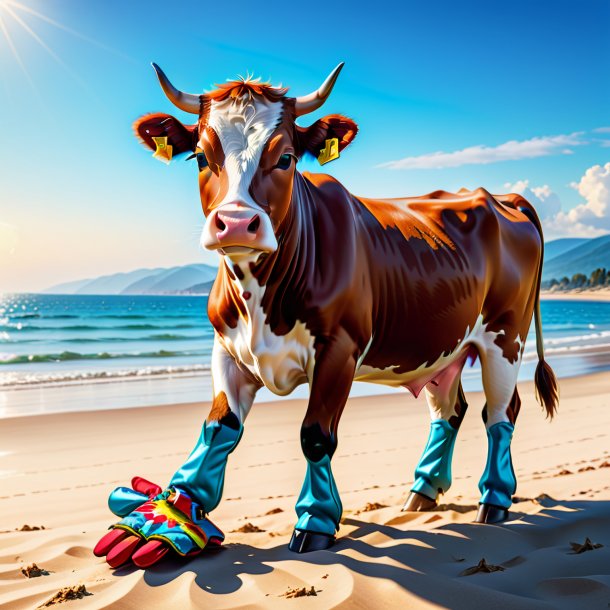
<point x="385" y="394"/>
<point x="107" y="394"/>
<point x="576" y="344"/>
<point x="602" y="295"/>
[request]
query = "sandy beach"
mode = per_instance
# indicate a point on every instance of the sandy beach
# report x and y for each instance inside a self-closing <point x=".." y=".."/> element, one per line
<point x="57" y="471"/>
<point x="601" y="295"/>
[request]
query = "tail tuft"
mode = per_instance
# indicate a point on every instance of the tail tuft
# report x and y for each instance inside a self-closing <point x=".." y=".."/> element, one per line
<point x="547" y="391"/>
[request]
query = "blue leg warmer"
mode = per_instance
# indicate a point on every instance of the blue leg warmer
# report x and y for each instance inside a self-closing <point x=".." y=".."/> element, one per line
<point x="202" y="475"/>
<point x="433" y="473"/>
<point x="319" y="506"/>
<point x="498" y="483"/>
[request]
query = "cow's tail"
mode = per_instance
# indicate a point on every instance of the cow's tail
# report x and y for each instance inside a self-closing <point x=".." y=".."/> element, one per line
<point x="545" y="382"/>
<point x="547" y="391"/>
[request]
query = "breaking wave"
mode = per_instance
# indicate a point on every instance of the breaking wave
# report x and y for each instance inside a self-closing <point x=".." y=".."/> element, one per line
<point x="19" y="380"/>
<point x="66" y="356"/>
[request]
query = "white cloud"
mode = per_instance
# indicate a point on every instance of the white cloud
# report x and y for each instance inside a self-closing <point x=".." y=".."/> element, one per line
<point x="545" y="201"/>
<point x="602" y="130"/>
<point x="588" y="219"/>
<point x="594" y="187"/>
<point x="562" y="226"/>
<point x="481" y="155"/>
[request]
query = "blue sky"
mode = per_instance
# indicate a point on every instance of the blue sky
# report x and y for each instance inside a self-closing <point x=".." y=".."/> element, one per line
<point x="510" y="96"/>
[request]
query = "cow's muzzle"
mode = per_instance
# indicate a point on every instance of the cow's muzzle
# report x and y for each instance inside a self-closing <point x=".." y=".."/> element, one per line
<point x="238" y="229"/>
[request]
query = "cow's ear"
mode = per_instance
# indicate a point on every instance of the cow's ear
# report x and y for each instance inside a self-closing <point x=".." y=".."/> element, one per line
<point x="181" y="138"/>
<point x="318" y="139"/>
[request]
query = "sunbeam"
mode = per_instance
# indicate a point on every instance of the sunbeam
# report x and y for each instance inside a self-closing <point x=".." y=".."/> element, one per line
<point x="13" y="3"/>
<point x="14" y="51"/>
<point x="41" y="42"/>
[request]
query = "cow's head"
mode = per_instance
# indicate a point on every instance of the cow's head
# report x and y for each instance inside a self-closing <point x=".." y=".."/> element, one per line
<point x="246" y="143"/>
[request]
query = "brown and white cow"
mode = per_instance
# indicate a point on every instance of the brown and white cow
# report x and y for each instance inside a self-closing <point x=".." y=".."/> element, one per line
<point x="316" y="285"/>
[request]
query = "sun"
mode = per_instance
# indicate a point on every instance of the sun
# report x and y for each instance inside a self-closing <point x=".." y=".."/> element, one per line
<point x="14" y="14"/>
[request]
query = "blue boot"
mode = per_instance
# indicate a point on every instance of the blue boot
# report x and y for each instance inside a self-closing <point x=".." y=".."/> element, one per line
<point x="498" y="483"/>
<point x="433" y="472"/>
<point x="319" y="507"/>
<point x="202" y="475"/>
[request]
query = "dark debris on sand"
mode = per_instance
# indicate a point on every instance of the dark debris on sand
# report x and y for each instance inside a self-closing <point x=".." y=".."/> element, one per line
<point x="300" y="592"/>
<point x="274" y="511"/>
<point x="482" y="566"/>
<point x="370" y="506"/>
<point x="67" y="594"/>
<point x="247" y="528"/>
<point x="29" y="528"/>
<point x="540" y="499"/>
<point x="587" y="545"/>
<point x="33" y="571"/>
<point x="458" y="508"/>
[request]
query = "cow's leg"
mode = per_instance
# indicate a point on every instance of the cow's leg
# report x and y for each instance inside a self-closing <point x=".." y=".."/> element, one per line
<point x="498" y="483"/>
<point x="448" y="406"/>
<point x="319" y="506"/>
<point x="202" y="475"/>
<point x="155" y="521"/>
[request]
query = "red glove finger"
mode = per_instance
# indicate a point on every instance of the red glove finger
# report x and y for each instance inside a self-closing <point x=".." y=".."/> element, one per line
<point x="111" y="539"/>
<point x="122" y="552"/>
<point x="145" y="487"/>
<point x="150" y="553"/>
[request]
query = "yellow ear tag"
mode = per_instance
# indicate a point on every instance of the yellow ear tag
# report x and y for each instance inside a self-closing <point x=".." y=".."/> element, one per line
<point x="329" y="152"/>
<point x="164" y="150"/>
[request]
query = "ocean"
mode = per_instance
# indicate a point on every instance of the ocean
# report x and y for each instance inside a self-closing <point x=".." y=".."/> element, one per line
<point x="65" y="352"/>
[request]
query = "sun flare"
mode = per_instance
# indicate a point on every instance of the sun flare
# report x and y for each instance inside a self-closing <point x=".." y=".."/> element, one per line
<point x="18" y="17"/>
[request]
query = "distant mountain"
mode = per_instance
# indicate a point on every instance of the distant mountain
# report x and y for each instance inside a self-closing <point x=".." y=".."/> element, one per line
<point x="559" y="246"/>
<point x="561" y="257"/>
<point x="68" y="287"/>
<point x="114" y="284"/>
<point x="175" y="280"/>
<point x="585" y="257"/>
<point x="203" y="288"/>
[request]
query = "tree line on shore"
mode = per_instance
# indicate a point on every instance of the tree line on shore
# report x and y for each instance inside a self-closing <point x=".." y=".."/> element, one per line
<point x="598" y="278"/>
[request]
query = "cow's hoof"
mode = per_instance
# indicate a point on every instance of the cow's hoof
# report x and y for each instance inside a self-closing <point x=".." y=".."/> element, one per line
<point x="490" y="513"/>
<point x="418" y="502"/>
<point x="304" y="542"/>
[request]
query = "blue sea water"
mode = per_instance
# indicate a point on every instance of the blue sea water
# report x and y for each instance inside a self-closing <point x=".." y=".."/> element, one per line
<point x="59" y="341"/>
<point x="46" y="338"/>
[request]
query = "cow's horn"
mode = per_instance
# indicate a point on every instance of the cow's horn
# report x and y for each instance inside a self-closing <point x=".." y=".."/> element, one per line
<point x="308" y="103"/>
<point x="185" y="101"/>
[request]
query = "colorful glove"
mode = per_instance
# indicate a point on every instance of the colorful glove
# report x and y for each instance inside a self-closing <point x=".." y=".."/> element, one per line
<point x="153" y="523"/>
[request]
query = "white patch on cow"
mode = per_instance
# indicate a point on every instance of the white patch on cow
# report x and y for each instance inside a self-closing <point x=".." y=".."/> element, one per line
<point x="499" y="375"/>
<point x="441" y="398"/>
<point x="243" y="126"/>
<point x="426" y="371"/>
<point x="365" y="351"/>
<point x="227" y="377"/>
<point x="281" y="362"/>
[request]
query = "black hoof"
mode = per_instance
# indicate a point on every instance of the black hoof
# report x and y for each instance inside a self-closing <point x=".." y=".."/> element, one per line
<point x="490" y="513"/>
<point x="304" y="542"/>
<point x="418" y="502"/>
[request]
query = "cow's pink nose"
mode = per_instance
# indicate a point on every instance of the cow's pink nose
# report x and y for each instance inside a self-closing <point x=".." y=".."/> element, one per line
<point x="235" y="226"/>
<point x="236" y="230"/>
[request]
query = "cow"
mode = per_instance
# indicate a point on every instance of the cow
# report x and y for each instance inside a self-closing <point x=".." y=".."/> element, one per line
<point x="318" y="286"/>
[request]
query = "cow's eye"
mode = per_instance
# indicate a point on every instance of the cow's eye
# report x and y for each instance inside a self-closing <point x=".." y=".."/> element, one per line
<point x="284" y="161"/>
<point x="202" y="162"/>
